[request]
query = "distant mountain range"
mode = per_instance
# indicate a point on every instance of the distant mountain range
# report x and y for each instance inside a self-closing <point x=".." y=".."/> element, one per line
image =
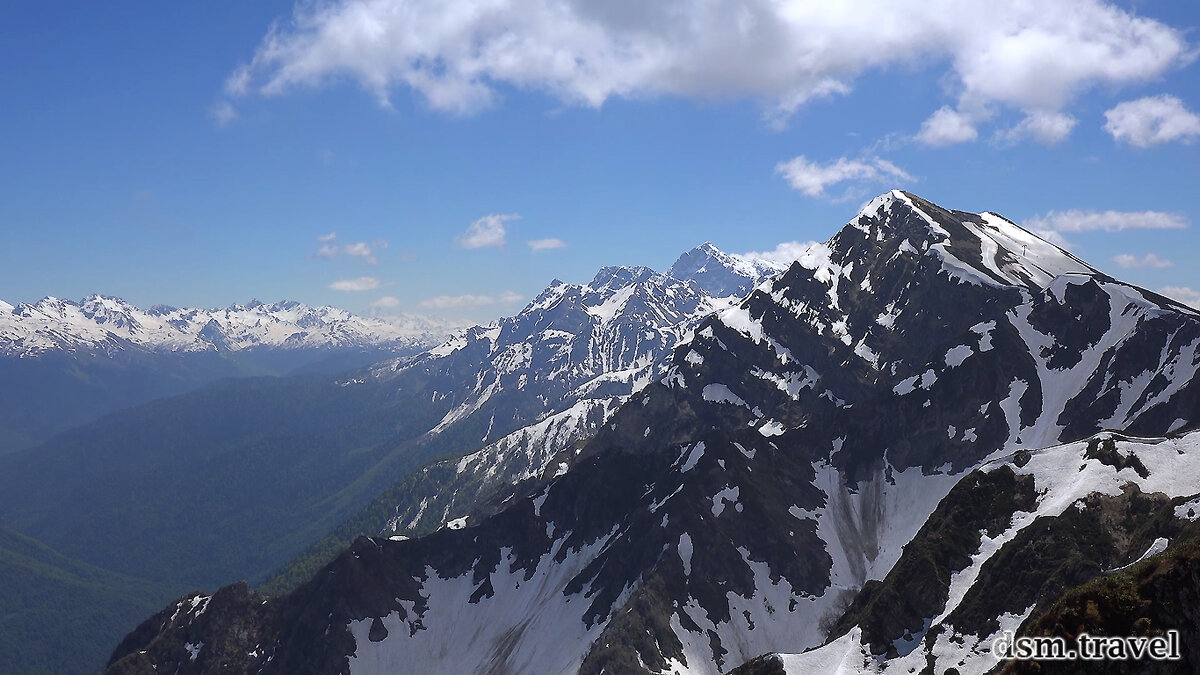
<point x="104" y="324"/>
<point x="932" y="428"/>
<point x="65" y="363"/>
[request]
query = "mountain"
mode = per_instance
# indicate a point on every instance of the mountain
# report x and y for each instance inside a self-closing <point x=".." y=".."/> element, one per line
<point x="234" y="479"/>
<point x="66" y="363"/>
<point x="545" y="380"/>
<point x="106" y="324"/>
<point x="748" y="500"/>
<point x="722" y="274"/>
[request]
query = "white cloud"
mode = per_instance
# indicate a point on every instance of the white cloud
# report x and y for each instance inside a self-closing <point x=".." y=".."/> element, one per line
<point x="463" y="301"/>
<point x="546" y="244"/>
<point x="1149" y="260"/>
<point x="812" y="178"/>
<point x="947" y="127"/>
<point x="1152" y="120"/>
<point x="1075" y="220"/>
<point x="361" y="249"/>
<point x="386" y="302"/>
<point x="455" y="55"/>
<point x="1045" y="127"/>
<point x="328" y="249"/>
<point x="784" y="254"/>
<point x="487" y="231"/>
<point x="1050" y="236"/>
<point x="359" y="284"/>
<point x="223" y="113"/>
<point x="1183" y="294"/>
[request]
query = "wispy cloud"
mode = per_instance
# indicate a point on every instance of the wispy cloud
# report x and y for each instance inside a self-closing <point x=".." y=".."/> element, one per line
<point x="466" y="301"/>
<point x="487" y="231"/>
<point x="546" y="244"/>
<point x="1151" y="121"/>
<point x="329" y="249"/>
<point x="784" y="254"/>
<point x="812" y="178"/>
<point x="359" y="284"/>
<point x="223" y="113"/>
<point x="1076" y="220"/>
<point x="1183" y="294"/>
<point x="1129" y="261"/>
<point x="1047" y="128"/>
<point x="360" y="249"/>
<point x="386" y="302"/>
<point x="456" y="55"/>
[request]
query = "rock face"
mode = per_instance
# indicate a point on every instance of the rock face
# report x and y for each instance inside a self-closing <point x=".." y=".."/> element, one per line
<point x="1015" y="535"/>
<point x="761" y="493"/>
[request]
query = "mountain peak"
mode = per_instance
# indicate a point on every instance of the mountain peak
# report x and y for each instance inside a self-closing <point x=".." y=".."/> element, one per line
<point x="982" y="248"/>
<point x="619" y="276"/>
<point x="719" y="273"/>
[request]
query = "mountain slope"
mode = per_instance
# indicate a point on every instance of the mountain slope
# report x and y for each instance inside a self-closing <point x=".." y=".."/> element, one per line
<point x="1006" y="543"/>
<point x="64" y="602"/>
<point x="793" y="447"/>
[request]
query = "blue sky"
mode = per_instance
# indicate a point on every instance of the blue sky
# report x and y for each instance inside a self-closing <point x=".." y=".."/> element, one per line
<point x="203" y="154"/>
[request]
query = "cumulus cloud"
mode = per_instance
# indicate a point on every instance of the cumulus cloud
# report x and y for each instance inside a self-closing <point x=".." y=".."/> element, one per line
<point x="812" y="178"/>
<point x="359" y="284"/>
<point x="457" y="55"/>
<point x="1045" y="127"/>
<point x="386" y="302"/>
<point x="1149" y="260"/>
<point x="784" y="254"/>
<point x="1075" y="220"/>
<point x="1183" y="294"/>
<point x="465" y="301"/>
<point x="1151" y="121"/>
<point x="546" y="244"/>
<point x="487" y="231"/>
<point x="947" y="127"/>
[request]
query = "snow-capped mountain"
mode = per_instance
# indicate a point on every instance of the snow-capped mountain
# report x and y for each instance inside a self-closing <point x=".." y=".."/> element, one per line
<point x="66" y="363"/>
<point x="105" y="324"/>
<point x="794" y="446"/>
<point x="540" y="382"/>
<point x="722" y="274"/>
